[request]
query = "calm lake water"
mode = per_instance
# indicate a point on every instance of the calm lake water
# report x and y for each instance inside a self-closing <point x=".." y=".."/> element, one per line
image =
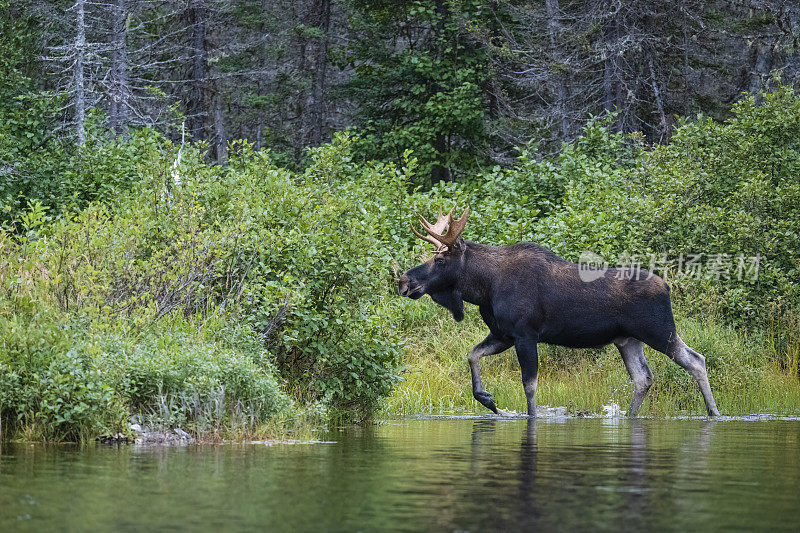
<point x="440" y="474"/>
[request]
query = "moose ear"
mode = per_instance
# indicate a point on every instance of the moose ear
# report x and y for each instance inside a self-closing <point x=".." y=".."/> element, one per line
<point x="452" y="301"/>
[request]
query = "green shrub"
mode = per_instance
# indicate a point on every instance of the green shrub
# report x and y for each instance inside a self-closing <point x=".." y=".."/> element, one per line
<point x="176" y="379"/>
<point x="49" y="385"/>
<point x="250" y="243"/>
<point x="64" y="177"/>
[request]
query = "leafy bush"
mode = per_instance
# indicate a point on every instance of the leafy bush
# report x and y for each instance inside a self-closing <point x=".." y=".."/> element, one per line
<point x="61" y="176"/>
<point x="250" y="243"/>
<point x="198" y="384"/>
<point x="49" y="386"/>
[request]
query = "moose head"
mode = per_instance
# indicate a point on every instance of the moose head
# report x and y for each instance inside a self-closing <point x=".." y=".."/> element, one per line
<point x="439" y="276"/>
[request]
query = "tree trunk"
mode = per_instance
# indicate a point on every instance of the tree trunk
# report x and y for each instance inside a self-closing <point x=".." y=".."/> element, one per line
<point x="220" y="135"/>
<point x="440" y="172"/>
<point x="260" y="120"/>
<point x="554" y="30"/>
<point x="664" y="126"/>
<point x="120" y="87"/>
<point x="196" y="105"/>
<point x="301" y="106"/>
<point x="761" y="61"/>
<point x="80" y="59"/>
<point x="611" y="66"/>
<point x="686" y="41"/>
<point x="609" y="75"/>
<point x="317" y="128"/>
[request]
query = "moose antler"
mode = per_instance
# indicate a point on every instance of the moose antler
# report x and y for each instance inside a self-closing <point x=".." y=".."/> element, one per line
<point x="445" y="232"/>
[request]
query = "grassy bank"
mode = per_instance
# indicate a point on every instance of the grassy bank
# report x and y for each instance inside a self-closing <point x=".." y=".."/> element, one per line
<point x="750" y="372"/>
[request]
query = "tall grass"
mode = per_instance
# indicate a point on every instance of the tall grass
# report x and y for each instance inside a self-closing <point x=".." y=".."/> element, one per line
<point x="750" y="371"/>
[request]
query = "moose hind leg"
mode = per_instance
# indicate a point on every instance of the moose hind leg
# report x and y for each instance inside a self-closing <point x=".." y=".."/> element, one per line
<point x="528" y="357"/>
<point x="489" y="346"/>
<point x="632" y="352"/>
<point x="695" y="364"/>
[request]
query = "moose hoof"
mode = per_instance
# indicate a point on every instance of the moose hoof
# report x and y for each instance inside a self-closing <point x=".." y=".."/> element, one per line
<point x="486" y="399"/>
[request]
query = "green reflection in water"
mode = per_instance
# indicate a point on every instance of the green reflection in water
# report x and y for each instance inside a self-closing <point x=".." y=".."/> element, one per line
<point x="444" y="474"/>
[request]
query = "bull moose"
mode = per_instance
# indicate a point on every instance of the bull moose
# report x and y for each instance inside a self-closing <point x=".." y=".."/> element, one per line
<point x="526" y="294"/>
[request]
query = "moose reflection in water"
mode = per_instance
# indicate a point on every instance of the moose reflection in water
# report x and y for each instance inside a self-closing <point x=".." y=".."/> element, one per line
<point x="554" y="460"/>
<point x="526" y="294"/>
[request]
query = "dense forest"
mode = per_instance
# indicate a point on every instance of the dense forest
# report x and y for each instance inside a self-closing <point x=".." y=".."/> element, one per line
<point x="465" y="83"/>
<point x="205" y="204"/>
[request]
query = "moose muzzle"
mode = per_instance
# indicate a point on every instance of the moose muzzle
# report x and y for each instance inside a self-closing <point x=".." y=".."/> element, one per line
<point x="409" y="289"/>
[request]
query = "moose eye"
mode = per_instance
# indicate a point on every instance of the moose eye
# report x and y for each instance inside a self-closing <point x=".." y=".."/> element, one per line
<point x="439" y="260"/>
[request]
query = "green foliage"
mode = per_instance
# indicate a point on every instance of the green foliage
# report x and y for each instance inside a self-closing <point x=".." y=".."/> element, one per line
<point x="314" y="291"/>
<point x="191" y="246"/>
<point x="430" y="95"/>
<point x="176" y="379"/>
<point x="207" y="296"/>
<point x="726" y="188"/>
<point x="49" y="386"/>
<point x="26" y="115"/>
<point x="64" y="177"/>
<point x="35" y="162"/>
<point x="71" y="380"/>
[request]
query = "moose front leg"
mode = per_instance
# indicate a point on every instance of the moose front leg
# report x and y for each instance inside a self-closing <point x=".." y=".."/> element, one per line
<point x="528" y="358"/>
<point x="489" y="346"/>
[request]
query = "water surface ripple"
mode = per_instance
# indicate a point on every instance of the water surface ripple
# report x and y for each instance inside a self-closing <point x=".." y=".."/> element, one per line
<point x="425" y="474"/>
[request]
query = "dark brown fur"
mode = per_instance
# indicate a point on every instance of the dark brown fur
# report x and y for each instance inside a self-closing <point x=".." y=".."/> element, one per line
<point x="526" y="294"/>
